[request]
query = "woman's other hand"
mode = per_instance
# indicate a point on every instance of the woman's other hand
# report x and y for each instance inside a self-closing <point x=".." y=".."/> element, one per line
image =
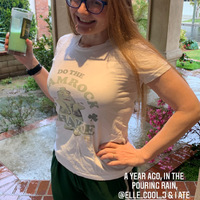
<point x="121" y="154"/>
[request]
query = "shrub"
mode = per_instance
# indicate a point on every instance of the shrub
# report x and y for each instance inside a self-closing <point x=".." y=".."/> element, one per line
<point x="6" y="81"/>
<point x="43" y="48"/>
<point x="2" y="37"/>
<point x="184" y="57"/>
<point x="157" y="119"/>
<point x="5" y="14"/>
<point x="17" y="110"/>
<point x="140" y="10"/>
<point x="30" y="84"/>
<point x="191" y="45"/>
<point x="183" y="37"/>
<point x="46" y="105"/>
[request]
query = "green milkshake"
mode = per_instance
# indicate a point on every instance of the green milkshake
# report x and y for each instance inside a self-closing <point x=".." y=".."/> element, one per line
<point x="19" y="31"/>
<point x="16" y="43"/>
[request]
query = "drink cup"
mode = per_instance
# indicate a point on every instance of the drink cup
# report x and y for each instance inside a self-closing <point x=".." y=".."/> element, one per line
<point x="19" y="31"/>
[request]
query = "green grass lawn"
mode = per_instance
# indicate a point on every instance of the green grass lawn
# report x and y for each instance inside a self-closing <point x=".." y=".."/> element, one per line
<point x="187" y="65"/>
<point x="193" y="54"/>
<point x="190" y="20"/>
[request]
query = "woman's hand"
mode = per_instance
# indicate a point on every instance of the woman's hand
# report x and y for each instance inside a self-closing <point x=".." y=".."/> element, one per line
<point x="121" y="154"/>
<point x="29" y="60"/>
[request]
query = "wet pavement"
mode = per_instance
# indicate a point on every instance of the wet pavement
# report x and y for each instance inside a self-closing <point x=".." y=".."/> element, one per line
<point x="28" y="153"/>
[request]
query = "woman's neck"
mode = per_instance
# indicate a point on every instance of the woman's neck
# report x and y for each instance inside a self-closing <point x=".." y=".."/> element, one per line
<point x="92" y="40"/>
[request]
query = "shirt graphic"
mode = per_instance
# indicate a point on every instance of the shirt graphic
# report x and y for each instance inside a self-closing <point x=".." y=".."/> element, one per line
<point x="70" y="111"/>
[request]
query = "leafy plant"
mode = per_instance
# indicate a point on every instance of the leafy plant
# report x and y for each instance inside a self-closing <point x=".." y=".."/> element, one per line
<point x="183" y="38"/>
<point x="43" y="48"/>
<point x="6" y="81"/>
<point x="190" y="44"/>
<point x="17" y="110"/>
<point x="5" y="14"/>
<point x="157" y="119"/>
<point x="2" y="37"/>
<point x="30" y="84"/>
<point x="184" y="57"/>
<point x="46" y="105"/>
<point x="140" y="10"/>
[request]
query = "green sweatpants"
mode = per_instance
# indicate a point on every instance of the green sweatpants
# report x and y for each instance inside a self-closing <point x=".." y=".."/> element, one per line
<point x="69" y="186"/>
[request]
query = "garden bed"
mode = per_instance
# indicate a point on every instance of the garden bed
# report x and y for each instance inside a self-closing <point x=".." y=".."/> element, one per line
<point x="13" y="95"/>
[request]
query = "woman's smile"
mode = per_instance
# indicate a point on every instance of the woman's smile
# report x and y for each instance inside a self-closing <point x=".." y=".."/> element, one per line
<point x="85" y="21"/>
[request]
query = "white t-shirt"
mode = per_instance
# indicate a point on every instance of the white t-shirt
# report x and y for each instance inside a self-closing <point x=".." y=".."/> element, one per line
<point x="94" y="91"/>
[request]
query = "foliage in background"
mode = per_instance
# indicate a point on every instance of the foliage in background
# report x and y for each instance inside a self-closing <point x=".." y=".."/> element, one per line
<point x="157" y="119"/>
<point x="17" y="110"/>
<point x="2" y="37"/>
<point x="30" y="84"/>
<point x="183" y="38"/>
<point x="192" y="2"/>
<point x="5" y="14"/>
<point x="33" y="29"/>
<point x="190" y="45"/>
<point x="140" y="10"/>
<point x="46" y="105"/>
<point x="43" y="48"/>
<point x="6" y="81"/>
<point x="184" y="57"/>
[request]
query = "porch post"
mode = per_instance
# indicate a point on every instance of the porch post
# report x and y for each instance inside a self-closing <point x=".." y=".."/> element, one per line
<point x="59" y="20"/>
<point x="164" y="27"/>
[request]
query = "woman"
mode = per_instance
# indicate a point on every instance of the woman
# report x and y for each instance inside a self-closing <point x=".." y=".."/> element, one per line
<point x="98" y="74"/>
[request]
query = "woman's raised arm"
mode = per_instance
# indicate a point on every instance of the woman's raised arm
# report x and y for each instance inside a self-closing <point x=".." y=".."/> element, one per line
<point x="30" y="62"/>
